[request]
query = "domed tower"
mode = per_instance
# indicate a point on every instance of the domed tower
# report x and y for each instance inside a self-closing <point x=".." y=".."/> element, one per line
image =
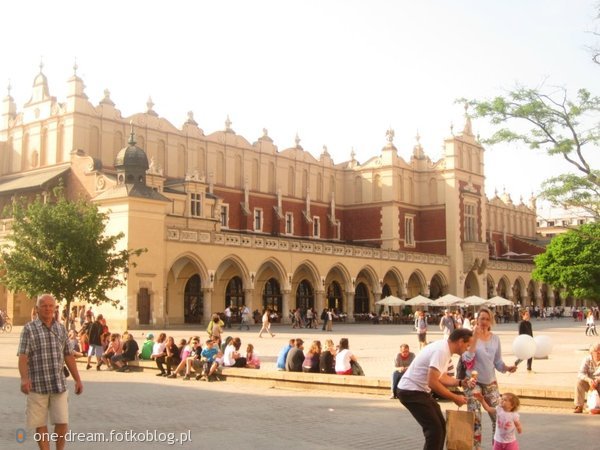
<point x="131" y="163"/>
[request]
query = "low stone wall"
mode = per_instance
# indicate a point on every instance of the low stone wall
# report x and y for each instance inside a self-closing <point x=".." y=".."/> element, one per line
<point x="555" y="396"/>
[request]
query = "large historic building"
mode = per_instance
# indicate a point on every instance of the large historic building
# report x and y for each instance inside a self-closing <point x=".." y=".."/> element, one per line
<point x="227" y="221"/>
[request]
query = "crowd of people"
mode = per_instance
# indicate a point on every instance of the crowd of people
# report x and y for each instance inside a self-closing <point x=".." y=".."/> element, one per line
<point x="414" y="378"/>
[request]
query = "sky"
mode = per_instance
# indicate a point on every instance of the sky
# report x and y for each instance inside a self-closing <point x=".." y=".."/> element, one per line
<point x="338" y="73"/>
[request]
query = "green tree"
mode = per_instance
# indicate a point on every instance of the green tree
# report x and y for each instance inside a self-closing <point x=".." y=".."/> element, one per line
<point x="60" y="247"/>
<point x="572" y="262"/>
<point x="559" y="126"/>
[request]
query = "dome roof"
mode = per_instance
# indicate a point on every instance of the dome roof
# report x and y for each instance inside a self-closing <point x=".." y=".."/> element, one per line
<point x="132" y="156"/>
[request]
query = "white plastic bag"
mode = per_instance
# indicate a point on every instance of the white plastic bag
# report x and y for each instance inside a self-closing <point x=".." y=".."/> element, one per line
<point x="593" y="400"/>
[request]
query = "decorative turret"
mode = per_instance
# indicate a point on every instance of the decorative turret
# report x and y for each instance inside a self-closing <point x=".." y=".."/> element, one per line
<point x="468" y="129"/>
<point x="40" y="91"/>
<point x="75" y="84"/>
<point x="418" y="152"/>
<point x="8" y="110"/>
<point x="131" y="163"/>
<point x="150" y="107"/>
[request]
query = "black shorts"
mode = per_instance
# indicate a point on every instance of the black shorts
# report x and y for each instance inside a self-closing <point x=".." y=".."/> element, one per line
<point x="422" y="337"/>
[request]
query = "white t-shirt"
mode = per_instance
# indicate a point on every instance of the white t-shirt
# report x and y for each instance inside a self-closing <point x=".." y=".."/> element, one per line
<point x="342" y="361"/>
<point x="436" y="355"/>
<point x="228" y="360"/>
<point x="505" y="425"/>
<point x="158" y="348"/>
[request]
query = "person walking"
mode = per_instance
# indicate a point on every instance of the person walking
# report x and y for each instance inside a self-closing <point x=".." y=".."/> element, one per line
<point x="245" y="321"/>
<point x="421" y="328"/>
<point x="43" y="351"/>
<point x="266" y="324"/>
<point x="525" y="327"/>
<point x="427" y="373"/>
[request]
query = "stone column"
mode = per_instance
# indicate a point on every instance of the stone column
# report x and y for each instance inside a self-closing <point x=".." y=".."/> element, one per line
<point x="350" y="306"/>
<point x="249" y="299"/>
<point x="376" y="298"/>
<point x="207" y="298"/>
<point x="319" y="295"/>
<point x="286" y="306"/>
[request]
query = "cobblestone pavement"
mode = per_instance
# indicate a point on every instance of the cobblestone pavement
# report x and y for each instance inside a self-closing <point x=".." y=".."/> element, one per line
<point x="234" y="415"/>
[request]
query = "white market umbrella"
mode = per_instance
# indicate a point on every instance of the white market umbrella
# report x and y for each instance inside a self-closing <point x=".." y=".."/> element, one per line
<point x="474" y="300"/>
<point x="419" y="300"/>
<point x="500" y="301"/>
<point x="390" y="300"/>
<point x="447" y="300"/>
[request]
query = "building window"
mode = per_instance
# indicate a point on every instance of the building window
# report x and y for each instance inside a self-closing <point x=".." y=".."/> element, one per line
<point x="196" y="205"/>
<point x="471" y="234"/>
<point x="224" y="215"/>
<point x="409" y="231"/>
<point x="550" y="223"/>
<point x="258" y="219"/>
<point x="316" y="227"/>
<point x="289" y="223"/>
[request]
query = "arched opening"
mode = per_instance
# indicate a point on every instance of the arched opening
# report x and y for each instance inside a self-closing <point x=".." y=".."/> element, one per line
<point x="386" y="291"/>
<point x="414" y="286"/>
<point x="305" y="296"/>
<point x="234" y="293"/>
<point x="334" y="296"/>
<point x="272" y="297"/>
<point x="471" y="285"/>
<point x="361" y="299"/>
<point x="193" y="300"/>
<point x="490" y="287"/>
<point x="436" y="287"/>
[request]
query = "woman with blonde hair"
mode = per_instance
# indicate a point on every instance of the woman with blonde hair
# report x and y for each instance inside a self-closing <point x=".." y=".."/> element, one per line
<point x="312" y="359"/>
<point x="482" y="359"/>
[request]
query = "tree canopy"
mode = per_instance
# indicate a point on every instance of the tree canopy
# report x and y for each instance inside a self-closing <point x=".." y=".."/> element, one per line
<point x="572" y="262"/>
<point x="60" y="247"/>
<point x="560" y="126"/>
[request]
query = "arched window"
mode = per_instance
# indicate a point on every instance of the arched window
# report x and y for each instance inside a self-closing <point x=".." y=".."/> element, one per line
<point x="237" y="172"/>
<point x="335" y="298"/>
<point x="358" y="189"/>
<point x="182" y="167"/>
<point x="272" y="297"/>
<point x="94" y="149"/>
<point x="291" y="182"/>
<point x="161" y="156"/>
<point x="59" y="143"/>
<point x="305" y="295"/>
<point x="255" y="176"/>
<point x="332" y="189"/>
<point x="200" y="163"/>
<point x="221" y="168"/>
<point x="433" y="197"/>
<point x="272" y="180"/>
<point x="361" y="299"/>
<point x="44" y="147"/>
<point x="234" y="294"/>
<point x="319" y="187"/>
<point x="377" y="188"/>
<point x="193" y="300"/>
<point x="117" y="145"/>
<point x="304" y="183"/>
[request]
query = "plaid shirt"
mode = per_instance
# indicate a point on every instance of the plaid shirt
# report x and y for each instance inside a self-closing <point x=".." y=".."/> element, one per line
<point x="45" y="348"/>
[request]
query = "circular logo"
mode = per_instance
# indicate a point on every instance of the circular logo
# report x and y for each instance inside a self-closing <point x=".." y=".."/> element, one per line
<point x="20" y="435"/>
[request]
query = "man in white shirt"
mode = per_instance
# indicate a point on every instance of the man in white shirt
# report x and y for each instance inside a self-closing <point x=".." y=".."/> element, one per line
<point x="227" y="313"/>
<point x="428" y="373"/>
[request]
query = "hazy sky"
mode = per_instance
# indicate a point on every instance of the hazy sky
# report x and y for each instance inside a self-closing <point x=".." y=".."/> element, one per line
<point x="338" y="73"/>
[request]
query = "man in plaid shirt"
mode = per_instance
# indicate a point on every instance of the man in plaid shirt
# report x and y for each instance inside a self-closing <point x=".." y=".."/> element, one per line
<point x="43" y="351"/>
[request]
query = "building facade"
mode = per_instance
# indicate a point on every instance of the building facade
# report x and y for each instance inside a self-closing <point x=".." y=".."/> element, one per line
<point x="228" y="222"/>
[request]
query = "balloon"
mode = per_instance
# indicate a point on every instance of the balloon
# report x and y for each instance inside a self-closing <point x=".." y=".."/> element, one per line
<point x="543" y="346"/>
<point x="524" y="347"/>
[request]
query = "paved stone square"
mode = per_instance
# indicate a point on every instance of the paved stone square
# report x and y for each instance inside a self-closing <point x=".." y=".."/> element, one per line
<point x="235" y="415"/>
